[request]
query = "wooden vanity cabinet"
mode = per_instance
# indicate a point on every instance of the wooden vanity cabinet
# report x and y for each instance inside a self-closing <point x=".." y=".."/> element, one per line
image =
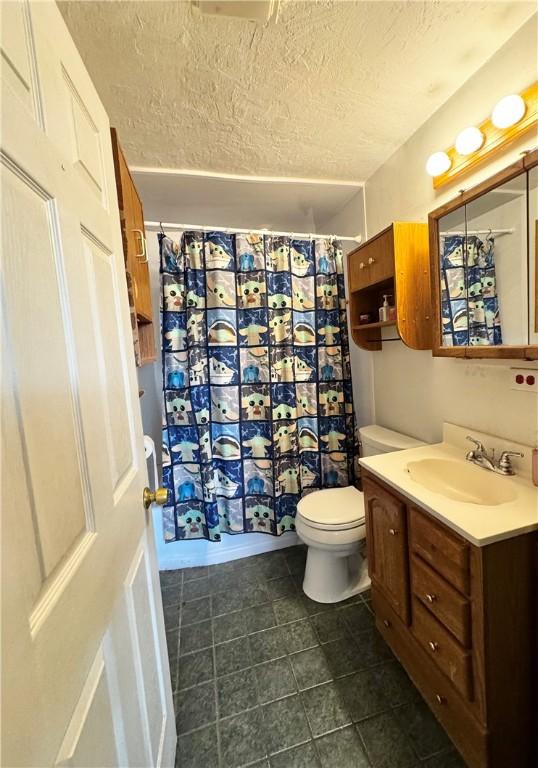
<point x="462" y="620"/>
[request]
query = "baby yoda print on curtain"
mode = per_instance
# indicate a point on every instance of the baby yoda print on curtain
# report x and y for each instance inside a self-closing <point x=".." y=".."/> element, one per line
<point x="469" y="302"/>
<point x="257" y="394"/>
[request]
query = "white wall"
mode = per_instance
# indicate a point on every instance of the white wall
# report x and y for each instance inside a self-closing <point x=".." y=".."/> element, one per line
<point x="414" y="392"/>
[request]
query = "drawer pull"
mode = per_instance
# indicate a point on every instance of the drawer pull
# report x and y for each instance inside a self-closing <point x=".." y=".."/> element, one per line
<point x="386" y="623"/>
<point x="393" y="531"/>
<point x="434" y="646"/>
<point x="440" y="699"/>
<point x="362" y="265"/>
<point x="371" y="260"/>
<point x="431" y="598"/>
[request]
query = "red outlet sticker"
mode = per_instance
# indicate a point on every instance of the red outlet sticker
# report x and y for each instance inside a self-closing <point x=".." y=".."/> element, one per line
<point x="520" y="379"/>
<point x="530" y="380"/>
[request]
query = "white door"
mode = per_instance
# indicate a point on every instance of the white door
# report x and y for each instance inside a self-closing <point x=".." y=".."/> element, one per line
<point x="85" y="678"/>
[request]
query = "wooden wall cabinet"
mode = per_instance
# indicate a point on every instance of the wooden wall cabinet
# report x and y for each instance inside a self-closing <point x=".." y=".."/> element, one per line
<point x="135" y="253"/>
<point x="462" y="620"/>
<point x="396" y="262"/>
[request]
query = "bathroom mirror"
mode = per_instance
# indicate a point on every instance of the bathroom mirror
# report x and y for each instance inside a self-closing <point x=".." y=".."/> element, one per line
<point x="484" y="267"/>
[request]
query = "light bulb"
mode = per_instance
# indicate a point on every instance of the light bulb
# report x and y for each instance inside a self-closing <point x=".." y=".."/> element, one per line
<point x="438" y="163"/>
<point x="508" y="111"/>
<point x="469" y="140"/>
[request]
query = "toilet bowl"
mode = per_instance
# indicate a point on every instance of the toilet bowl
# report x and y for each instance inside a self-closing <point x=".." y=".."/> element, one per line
<point x="331" y="523"/>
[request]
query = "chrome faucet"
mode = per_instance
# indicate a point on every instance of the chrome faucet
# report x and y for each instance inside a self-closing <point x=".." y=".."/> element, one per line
<point x="479" y="456"/>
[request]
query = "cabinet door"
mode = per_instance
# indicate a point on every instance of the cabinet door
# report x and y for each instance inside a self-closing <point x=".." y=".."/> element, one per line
<point x="132" y="221"/>
<point x="386" y="537"/>
<point x="141" y="270"/>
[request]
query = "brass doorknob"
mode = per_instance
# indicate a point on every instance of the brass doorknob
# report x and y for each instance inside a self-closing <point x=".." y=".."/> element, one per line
<point x="160" y="497"/>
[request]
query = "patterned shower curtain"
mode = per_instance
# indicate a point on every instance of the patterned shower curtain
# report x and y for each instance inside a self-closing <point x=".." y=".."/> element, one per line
<point x="469" y="302"/>
<point x="257" y="393"/>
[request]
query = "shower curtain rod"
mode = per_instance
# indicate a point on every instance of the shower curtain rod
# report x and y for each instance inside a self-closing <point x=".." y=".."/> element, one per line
<point x="206" y="228"/>
<point x="479" y="232"/>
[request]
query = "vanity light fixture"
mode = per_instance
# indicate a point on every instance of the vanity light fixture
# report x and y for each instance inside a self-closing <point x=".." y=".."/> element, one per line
<point x="469" y="140"/>
<point x="512" y="117"/>
<point x="508" y="111"/>
<point x="438" y="163"/>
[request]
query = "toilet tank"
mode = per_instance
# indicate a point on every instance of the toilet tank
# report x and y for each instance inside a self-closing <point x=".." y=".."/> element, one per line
<point x="375" y="439"/>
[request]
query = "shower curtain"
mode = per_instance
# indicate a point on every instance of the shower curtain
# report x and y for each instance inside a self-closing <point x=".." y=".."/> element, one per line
<point x="469" y="302"/>
<point x="257" y="395"/>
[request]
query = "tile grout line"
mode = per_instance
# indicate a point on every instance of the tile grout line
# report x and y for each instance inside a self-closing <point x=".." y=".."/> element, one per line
<point x="178" y="640"/>
<point x="362" y="742"/>
<point x="304" y="708"/>
<point x="258" y="704"/>
<point x="215" y="687"/>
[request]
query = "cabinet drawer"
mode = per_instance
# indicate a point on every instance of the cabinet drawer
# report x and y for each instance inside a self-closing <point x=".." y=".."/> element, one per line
<point x="443" y="551"/>
<point x="442" y="600"/>
<point x="372" y="263"/>
<point x="388" y="622"/>
<point x="359" y="272"/>
<point x="380" y="258"/>
<point x="443" y="649"/>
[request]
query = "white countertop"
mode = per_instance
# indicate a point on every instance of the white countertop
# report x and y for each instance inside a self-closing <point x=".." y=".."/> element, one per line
<point x="477" y="523"/>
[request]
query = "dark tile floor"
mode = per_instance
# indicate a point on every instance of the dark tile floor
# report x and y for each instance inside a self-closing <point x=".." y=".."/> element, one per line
<point x="264" y="676"/>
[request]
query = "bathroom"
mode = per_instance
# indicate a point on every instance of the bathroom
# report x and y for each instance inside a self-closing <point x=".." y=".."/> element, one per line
<point x="386" y="617"/>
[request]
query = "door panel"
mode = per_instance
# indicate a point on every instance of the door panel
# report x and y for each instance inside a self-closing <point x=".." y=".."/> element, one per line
<point x="104" y="292"/>
<point x="73" y="526"/>
<point x="93" y="714"/>
<point x="142" y="622"/>
<point x="19" y="77"/>
<point x="48" y="401"/>
<point x="85" y="140"/>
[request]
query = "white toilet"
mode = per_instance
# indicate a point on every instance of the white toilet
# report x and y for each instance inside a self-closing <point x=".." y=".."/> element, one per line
<point x="331" y="523"/>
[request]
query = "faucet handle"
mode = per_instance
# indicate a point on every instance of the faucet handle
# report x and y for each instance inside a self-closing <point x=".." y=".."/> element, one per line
<point x="504" y="461"/>
<point x="478" y="444"/>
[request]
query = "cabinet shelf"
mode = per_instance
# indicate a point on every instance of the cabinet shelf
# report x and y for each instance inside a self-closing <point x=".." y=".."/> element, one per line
<point x="380" y="324"/>
<point x="143" y="317"/>
<point x="396" y="263"/>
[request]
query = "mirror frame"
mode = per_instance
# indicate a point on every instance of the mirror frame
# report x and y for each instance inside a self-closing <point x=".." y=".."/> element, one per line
<point x="502" y="351"/>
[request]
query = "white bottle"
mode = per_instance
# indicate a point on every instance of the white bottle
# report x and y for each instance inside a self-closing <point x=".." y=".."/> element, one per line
<point x="384" y="310"/>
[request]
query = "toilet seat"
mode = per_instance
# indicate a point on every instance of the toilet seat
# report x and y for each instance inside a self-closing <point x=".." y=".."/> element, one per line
<point x="333" y="509"/>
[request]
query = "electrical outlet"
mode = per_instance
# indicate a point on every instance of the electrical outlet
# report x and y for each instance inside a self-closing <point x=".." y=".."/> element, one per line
<point x="524" y="379"/>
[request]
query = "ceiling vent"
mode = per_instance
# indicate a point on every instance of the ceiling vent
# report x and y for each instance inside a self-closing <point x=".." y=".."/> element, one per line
<point x="252" y="10"/>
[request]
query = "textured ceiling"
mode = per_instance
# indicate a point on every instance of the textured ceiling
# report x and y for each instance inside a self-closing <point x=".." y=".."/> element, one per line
<point x="329" y="91"/>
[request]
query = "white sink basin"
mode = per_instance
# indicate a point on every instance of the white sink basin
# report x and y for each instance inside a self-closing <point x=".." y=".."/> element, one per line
<point x="462" y="481"/>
